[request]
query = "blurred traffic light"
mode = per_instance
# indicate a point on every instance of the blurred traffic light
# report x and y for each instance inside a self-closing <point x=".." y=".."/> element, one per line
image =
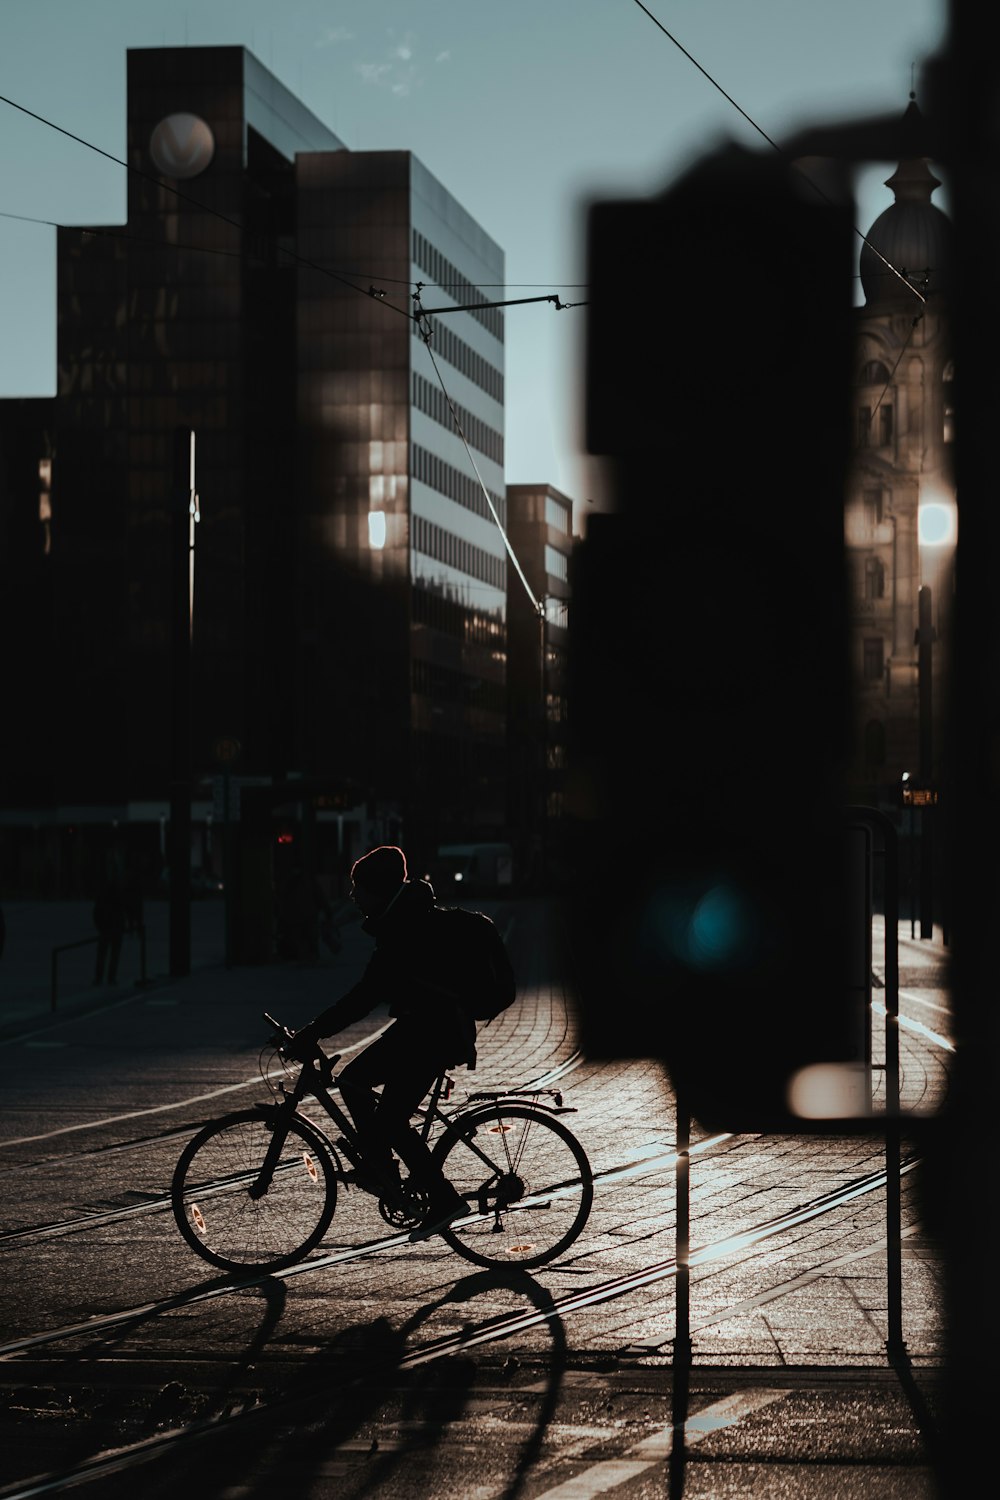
<point x="708" y="656"/>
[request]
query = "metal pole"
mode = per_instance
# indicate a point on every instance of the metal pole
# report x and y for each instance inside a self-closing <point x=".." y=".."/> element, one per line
<point x="227" y="870"/>
<point x="682" y="1309"/>
<point x="925" y="638"/>
<point x="893" y="1202"/>
<point x="179" y="835"/>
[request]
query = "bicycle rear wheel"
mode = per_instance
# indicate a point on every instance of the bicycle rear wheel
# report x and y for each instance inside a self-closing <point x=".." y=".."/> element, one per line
<point x="215" y="1199"/>
<point x="526" y="1178"/>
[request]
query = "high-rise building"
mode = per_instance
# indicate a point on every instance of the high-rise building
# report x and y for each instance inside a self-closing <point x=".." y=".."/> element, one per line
<point x="267" y="295"/>
<point x="540" y="527"/>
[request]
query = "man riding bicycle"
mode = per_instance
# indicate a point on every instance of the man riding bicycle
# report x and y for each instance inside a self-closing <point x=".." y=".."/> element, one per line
<point x="431" y="1031"/>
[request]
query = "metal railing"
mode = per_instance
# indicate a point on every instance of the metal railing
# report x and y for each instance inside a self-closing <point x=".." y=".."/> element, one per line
<point x="91" y="942"/>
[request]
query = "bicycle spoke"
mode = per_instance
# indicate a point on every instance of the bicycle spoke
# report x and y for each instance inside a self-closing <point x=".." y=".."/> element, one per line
<point x="527" y="1180"/>
<point x="219" y="1217"/>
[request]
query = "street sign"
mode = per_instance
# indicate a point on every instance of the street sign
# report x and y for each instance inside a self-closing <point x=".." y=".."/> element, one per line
<point x="919" y="796"/>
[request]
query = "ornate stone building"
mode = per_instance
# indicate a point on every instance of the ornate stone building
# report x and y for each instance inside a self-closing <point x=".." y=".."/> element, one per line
<point x="901" y="514"/>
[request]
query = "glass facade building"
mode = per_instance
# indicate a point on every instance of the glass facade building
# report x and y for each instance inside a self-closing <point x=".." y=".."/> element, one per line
<point x="349" y="616"/>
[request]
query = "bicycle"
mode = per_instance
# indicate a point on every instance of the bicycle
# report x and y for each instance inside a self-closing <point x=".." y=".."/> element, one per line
<point x="256" y="1190"/>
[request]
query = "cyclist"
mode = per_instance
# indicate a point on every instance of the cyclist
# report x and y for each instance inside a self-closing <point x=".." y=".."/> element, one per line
<point x="430" y="1032"/>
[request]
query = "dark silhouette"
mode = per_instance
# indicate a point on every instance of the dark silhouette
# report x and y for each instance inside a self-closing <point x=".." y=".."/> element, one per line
<point x="303" y="916"/>
<point x="117" y="910"/>
<point x="432" y="1030"/>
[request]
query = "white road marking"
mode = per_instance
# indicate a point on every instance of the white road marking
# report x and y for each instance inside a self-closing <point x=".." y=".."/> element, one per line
<point x="918" y="1027"/>
<point x="611" y="1472"/>
<point x="159" y="1109"/>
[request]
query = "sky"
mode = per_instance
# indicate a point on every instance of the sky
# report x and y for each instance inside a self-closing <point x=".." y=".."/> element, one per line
<point x="527" y="111"/>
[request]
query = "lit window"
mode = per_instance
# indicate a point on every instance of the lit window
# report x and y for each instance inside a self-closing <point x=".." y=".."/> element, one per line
<point x="376" y="529"/>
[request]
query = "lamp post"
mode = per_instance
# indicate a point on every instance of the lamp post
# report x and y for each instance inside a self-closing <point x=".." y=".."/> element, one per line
<point x="543" y="736"/>
<point x="184" y="515"/>
<point x="925" y="640"/>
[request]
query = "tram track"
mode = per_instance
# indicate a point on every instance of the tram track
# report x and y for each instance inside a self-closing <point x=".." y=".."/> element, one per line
<point x="90" y="1219"/>
<point x="730" y="1244"/>
<point x="98" y="1218"/>
<point x="490" y="1331"/>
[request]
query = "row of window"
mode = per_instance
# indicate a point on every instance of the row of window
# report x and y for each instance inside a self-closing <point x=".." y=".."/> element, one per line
<point x="458" y="286"/>
<point x="448" y="480"/>
<point x="431" y="400"/>
<point x="445" y="685"/>
<point x="556" y="515"/>
<point x="445" y="547"/>
<point x="556" y="564"/>
<point x="458" y="353"/>
<point x="433" y="608"/>
<point x="875" y="373"/>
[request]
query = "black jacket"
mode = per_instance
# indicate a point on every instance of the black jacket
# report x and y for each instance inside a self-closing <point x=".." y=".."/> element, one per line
<point x="407" y="965"/>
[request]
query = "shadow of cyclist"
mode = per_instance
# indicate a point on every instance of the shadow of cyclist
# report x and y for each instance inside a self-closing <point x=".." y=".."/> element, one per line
<point x="349" y="1386"/>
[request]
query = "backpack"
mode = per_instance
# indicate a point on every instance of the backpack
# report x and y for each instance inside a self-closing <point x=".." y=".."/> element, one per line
<point x="475" y="967"/>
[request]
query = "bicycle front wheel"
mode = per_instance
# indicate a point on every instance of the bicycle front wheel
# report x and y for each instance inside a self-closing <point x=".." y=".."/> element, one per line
<point x="527" y="1181"/>
<point x="221" y="1205"/>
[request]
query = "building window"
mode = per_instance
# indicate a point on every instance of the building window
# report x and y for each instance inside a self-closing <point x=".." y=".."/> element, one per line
<point x="873" y="507"/>
<point x="874" y="579"/>
<point x="556" y="515"/>
<point x="556" y="565"/>
<point x="864" y="426"/>
<point x="874" y="664"/>
<point x="885" y="425"/>
<point x="874" y="373"/>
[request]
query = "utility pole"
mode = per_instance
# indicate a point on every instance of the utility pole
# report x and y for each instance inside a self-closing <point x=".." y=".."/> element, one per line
<point x="184" y="515"/>
<point x="541" y="799"/>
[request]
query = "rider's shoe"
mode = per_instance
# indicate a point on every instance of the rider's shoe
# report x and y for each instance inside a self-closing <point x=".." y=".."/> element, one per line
<point x="385" y="1183"/>
<point x="445" y="1206"/>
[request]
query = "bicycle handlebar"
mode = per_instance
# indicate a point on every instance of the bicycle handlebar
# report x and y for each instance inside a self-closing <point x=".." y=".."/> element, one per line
<point x="326" y="1062"/>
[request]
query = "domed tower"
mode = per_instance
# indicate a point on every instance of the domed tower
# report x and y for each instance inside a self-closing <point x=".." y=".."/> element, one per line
<point x="900" y="514"/>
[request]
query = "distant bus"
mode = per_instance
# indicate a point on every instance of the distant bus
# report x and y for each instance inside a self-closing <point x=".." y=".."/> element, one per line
<point x="460" y="868"/>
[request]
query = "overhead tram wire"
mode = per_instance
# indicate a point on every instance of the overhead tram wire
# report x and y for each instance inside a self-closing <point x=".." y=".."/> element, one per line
<point x="426" y="333"/>
<point x="763" y="133"/>
<point x="163" y="182"/>
<point x="90" y="231"/>
<point x="185" y="197"/>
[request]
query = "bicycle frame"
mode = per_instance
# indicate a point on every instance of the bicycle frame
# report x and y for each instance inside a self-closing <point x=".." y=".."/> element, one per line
<point x="488" y="1147"/>
<point x="314" y="1082"/>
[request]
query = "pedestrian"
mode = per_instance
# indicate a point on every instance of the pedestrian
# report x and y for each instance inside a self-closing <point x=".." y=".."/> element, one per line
<point x="303" y="909"/>
<point x="431" y="1031"/>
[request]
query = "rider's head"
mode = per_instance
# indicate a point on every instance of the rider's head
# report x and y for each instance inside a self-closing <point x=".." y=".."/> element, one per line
<point x="376" y="877"/>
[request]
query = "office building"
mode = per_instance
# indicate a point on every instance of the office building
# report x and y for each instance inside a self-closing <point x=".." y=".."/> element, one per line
<point x="348" y="576"/>
<point x="540" y="528"/>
